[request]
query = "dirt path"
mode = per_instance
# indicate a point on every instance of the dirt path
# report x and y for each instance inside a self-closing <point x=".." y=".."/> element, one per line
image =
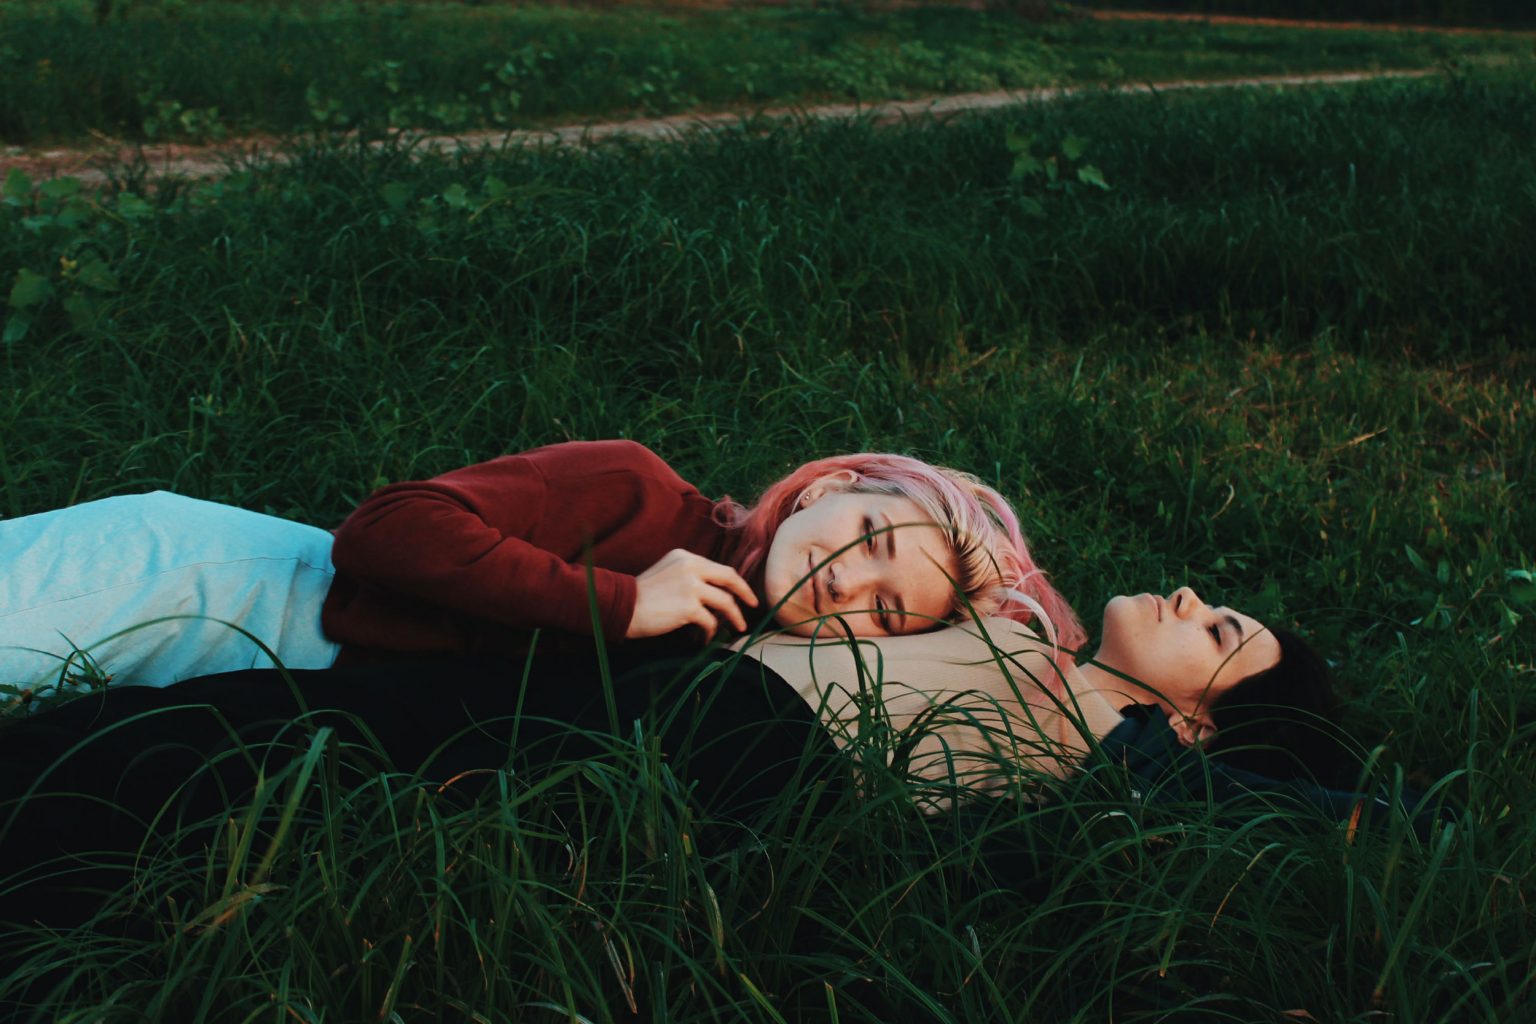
<point x="1243" y="19"/>
<point x="91" y="164"/>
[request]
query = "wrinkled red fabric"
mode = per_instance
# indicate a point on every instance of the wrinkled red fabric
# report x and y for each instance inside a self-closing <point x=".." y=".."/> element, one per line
<point x="471" y="561"/>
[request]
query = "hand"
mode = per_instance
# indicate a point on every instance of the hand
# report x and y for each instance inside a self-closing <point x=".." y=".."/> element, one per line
<point x="687" y="589"/>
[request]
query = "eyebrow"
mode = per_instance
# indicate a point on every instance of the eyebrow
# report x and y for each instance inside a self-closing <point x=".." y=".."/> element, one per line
<point x="890" y="547"/>
<point x="1231" y="620"/>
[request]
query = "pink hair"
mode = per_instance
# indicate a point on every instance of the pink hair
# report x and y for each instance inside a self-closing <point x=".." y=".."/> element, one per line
<point x="997" y="575"/>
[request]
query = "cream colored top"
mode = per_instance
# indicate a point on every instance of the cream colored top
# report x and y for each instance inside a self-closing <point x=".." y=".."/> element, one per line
<point x="969" y="695"/>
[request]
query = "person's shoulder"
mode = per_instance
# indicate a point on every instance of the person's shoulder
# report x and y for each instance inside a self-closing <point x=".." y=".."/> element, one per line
<point x="612" y="457"/>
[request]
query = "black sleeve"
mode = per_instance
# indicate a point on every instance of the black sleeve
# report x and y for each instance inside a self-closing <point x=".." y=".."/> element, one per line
<point x="102" y="773"/>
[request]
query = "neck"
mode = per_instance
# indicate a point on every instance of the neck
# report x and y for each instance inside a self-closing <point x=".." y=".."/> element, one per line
<point x="1099" y="678"/>
<point x="1113" y="685"/>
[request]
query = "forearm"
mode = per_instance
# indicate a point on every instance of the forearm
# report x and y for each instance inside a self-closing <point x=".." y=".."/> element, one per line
<point x="427" y="542"/>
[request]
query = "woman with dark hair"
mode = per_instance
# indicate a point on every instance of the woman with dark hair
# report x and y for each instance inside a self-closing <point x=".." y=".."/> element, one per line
<point x="1256" y="695"/>
<point x="981" y="707"/>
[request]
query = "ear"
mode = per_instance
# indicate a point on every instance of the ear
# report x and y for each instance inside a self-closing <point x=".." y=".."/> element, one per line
<point x="825" y="485"/>
<point x="1193" y="732"/>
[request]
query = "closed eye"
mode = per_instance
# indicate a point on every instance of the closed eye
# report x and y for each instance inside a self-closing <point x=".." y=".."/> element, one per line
<point x="869" y="534"/>
<point x="1215" y="632"/>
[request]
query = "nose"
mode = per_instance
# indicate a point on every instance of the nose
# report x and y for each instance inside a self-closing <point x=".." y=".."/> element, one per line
<point x="1185" y="602"/>
<point x="853" y="579"/>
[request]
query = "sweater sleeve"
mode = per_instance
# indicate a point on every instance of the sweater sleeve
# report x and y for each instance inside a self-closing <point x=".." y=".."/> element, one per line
<point x="491" y="541"/>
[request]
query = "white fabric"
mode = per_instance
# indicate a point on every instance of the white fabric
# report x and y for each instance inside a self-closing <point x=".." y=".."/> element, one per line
<point x="96" y="576"/>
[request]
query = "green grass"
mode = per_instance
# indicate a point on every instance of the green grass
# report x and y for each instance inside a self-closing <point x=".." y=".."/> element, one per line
<point x="1286" y="358"/>
<point x="162" y="71"/>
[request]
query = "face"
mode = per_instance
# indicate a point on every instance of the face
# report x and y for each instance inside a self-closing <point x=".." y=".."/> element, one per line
<point x="873" y="559"/>
<point x="1187" y="651"/>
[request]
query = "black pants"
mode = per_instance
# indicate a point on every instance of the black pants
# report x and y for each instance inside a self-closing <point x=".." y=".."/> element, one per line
<point x="97" y="775"/>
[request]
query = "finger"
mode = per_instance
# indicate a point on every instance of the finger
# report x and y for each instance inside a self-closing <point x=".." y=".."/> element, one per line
<point x="742" y="589"/>
<point x="705" y="621"/>
<point x="724" y="602"/>
<point x="724" y="576"/>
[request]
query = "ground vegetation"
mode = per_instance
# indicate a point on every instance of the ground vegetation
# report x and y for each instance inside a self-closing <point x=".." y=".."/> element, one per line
<point x="1273" y="344"/>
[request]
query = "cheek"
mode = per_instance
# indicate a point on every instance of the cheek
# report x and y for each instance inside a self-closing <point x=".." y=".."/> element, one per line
<point x="935" y="600"/>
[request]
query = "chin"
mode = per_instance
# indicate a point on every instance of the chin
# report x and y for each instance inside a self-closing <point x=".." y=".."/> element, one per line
<point x="1118" y="608"/>
<point x="792" y="612"/>
<point x="1119" y="618"/>
<point x="778" y="579"/>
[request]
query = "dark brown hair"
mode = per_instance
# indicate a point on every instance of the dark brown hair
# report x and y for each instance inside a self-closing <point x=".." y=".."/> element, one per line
<point x="1282" y="722"/>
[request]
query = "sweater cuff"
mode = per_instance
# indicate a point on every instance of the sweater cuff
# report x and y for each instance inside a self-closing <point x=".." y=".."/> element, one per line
<point x="615" y="601"/>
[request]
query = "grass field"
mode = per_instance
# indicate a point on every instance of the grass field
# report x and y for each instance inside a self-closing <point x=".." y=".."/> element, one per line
<point x="1285" y="357"/>
<point x="169" y="71"/>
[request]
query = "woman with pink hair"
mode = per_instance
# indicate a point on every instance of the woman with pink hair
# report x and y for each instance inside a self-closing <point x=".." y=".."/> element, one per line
<point x="571" y="539"/>
<point x="989" y="569"/>
<point x="604" y="536"/>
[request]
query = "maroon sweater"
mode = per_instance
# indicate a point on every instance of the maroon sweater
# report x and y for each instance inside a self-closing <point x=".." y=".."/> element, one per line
<point x="472" y="560"/>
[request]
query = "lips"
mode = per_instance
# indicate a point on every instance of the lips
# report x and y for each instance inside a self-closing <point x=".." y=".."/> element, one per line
<point x="810" y="571"/>
<point x="1157" y="604"/>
